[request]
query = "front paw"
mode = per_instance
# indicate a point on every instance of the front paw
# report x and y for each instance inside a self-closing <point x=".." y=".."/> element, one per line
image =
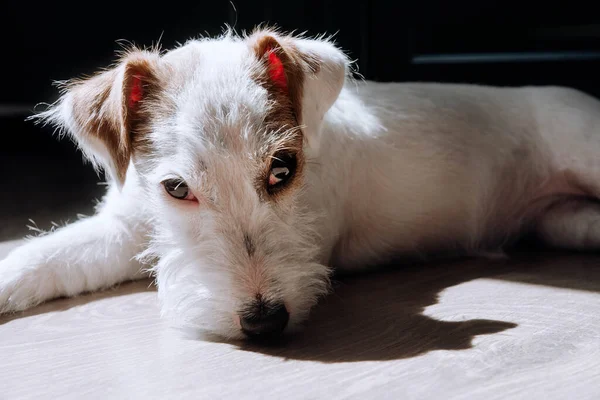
<point x="20" y="288"/>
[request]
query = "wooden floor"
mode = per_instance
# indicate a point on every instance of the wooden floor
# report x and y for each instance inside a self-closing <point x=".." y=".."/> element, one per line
<point x="523" y="329"/>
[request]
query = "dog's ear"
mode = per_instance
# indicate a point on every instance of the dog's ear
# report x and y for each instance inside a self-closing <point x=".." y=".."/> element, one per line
<point x="104" y="113"/>
<point x="310" y="73"/>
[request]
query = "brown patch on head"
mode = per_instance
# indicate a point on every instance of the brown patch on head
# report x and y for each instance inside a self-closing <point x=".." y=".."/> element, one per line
<point x="111" y="107"/>
<point x="290" y="144"/>
<point x="152" y="103"/>
<point x="284" y="119"/>
<point x="287" y="104"/>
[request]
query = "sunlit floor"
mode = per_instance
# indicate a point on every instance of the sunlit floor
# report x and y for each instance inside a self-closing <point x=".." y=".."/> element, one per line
<point x="527" y="328"/>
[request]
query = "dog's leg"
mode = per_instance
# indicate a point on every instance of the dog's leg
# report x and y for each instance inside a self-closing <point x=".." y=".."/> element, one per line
<point x="91" y="254"/>
<point x="573" y="225"/>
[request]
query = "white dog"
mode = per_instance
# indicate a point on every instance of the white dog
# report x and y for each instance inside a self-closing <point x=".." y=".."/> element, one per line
<point x="245" y="169"/>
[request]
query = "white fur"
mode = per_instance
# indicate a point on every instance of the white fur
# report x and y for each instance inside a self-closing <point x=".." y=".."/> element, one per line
<point x="392" y="170"/>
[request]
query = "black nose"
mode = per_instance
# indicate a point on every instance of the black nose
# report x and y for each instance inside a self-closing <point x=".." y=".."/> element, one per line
<point x="262" y="320"/>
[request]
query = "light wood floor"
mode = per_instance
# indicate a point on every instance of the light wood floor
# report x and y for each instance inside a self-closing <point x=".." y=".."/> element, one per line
<point x="523" y="329"/>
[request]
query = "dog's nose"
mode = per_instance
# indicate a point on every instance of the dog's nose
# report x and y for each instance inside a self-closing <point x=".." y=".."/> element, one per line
<point x="264" y="320"/>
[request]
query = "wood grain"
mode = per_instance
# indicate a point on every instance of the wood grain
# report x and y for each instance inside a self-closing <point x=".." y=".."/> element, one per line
<point x="474" y="329"/>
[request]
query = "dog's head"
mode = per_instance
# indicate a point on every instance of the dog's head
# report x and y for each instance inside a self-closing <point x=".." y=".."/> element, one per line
<point x="220" y="132"/>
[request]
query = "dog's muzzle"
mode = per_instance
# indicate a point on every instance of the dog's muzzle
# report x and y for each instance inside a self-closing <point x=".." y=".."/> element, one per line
<point x="264" y="321"/>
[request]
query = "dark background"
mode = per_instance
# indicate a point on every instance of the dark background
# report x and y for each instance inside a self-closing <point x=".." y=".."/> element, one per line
<point x="490" y="42"/>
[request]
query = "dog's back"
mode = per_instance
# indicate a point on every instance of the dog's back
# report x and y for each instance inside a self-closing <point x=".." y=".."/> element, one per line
<point x="444" y="167"/>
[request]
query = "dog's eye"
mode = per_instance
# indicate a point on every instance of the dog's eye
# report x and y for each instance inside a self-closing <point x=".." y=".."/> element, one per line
<point x="178" y="189"/>
<point x="283" y="168"/>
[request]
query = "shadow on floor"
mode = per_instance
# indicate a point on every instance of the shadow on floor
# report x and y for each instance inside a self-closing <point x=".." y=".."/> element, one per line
<point x="380" y="316"/>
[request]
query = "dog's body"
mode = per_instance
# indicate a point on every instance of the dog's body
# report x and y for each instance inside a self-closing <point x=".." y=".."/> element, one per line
<point x="383" y="170"/>
<point x="428" y="168"/>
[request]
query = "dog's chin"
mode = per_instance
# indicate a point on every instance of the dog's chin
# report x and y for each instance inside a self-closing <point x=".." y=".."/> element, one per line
<point x="199" y="301"/>
<point x="231" y="333"/>
<point x="204" y="325"/>
<point x="222" y="335"/>
<point x="208" y="323"/>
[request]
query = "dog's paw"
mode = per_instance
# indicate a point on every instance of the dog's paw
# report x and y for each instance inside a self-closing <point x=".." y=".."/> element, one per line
<point x="19" y="287"/>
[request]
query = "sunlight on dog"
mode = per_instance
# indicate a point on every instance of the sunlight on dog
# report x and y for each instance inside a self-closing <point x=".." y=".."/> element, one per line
<point x="245" y="169"/>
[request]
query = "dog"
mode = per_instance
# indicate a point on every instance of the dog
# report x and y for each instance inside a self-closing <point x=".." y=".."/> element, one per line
<point x="244" y="170"/>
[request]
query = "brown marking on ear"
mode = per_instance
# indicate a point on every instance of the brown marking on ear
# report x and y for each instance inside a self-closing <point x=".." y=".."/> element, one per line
<point x="102" y="106"/>
<point x="142" y="102"/>
<point x="295" y="64"/>
<point x="287" y="103"/>
<point x="286" y="113"/>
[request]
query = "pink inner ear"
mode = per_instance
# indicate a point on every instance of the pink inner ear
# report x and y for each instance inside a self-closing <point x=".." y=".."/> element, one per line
<point x="276" y="70"/>
<point x="137" y="91"/>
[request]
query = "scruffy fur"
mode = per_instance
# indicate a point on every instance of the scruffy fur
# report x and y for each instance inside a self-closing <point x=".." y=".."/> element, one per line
<point x="384" y="170"/>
